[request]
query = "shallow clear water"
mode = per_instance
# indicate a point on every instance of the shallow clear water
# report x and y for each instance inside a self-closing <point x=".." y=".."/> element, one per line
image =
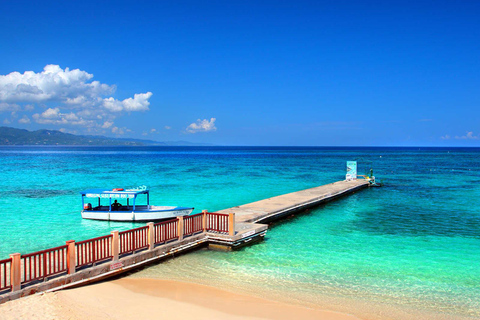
<point x="414" y="243"/>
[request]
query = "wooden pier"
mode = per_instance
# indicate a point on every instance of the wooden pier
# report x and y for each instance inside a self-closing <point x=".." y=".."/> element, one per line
<point x="251" y="216"/>
<point x="79" y="263"/>
<point x="275" y="208"/>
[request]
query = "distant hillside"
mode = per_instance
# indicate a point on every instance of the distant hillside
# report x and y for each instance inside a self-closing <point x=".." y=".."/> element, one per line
<point x="13" y="136"/>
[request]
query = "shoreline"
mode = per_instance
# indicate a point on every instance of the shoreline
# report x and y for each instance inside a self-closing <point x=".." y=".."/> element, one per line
<point x="151" y="298"/>
<point x="355" y="307"/>
<point x="134" y="298"/>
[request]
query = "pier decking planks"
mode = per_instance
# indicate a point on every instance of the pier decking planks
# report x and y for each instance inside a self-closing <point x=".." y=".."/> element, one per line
<point x="277" y="207"/>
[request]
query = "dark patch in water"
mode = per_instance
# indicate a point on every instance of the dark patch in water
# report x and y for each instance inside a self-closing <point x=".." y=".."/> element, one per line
<point x="161" y="169"/>
<point x="40" y="193"/>
<point x="81" y="170"/>
<point x="255" y="174"/>
<point x="407" y="222"/>
<point x="165" y="186"/>
<point x="103" y="178"/>
<point x="305" y="176"/>
<point x="195" y="169"/>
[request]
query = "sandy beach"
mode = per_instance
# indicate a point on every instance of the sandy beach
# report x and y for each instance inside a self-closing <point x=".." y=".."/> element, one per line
<point x="128" y="298"/>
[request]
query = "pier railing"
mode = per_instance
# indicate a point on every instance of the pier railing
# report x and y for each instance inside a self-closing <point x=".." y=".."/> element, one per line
<point x="165" y="231"/>
<point x="42" y="264"/>
<point x="23" y="270"/>
<point x="4" y="271"/>
<point x="133" y="240"/>
<point x="217" y="222"/>
<point x="94" y="250"/>
<point x="193" y="224"/>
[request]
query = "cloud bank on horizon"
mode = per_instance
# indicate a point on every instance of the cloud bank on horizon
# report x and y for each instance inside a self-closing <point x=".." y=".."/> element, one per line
<point x="67" y="97"/>
<point x="468" y="136"/>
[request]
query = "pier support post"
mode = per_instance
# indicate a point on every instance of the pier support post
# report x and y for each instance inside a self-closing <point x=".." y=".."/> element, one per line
<point x="70" y="256"/>
<point x="15" y="272"/>
<point x="180" y="228"/>
<point x="151" y="236"/>
<point x="204" y="221"/>
<point x="231" y="224"/>
<point x="115" y="245"/>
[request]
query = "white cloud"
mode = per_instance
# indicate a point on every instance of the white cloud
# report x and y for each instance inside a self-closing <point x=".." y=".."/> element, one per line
<point x="167" y="127"/>
<point x="24" y="120"/>
<point x="78" y="100"/>
<point x="51" y="113"/>
<point x="55" y="117"/>
<point x="112" y="105"/>
<point x="52" y="84"/>
<point x="9" y="107"/>
<point x="6" y="121"/>
<point x="138" y="103"/>
<point x="120" y="131"/>
<point x="152" y="131"/>
<point x="202" y="126"/>
<point x="468" y="136"/>
<point x="107" y="124"/>
<point x="29" y="107"/>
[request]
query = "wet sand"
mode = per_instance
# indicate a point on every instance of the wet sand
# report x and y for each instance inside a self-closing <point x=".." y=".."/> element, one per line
<point x="130" y="298"/>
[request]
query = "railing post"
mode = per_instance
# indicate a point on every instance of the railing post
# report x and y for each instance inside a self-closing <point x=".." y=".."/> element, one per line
<point x="45" y="271"/>
<point x="180" y="228"/>
<point x="151" y="236"/>
<point x="231" y="224"/>
<point x="70" y="256"/>
<point x="115" y="245"/>
<point x="94" y="251"/>
<point x="15" y="272"/>
<point x="204" y="220"/>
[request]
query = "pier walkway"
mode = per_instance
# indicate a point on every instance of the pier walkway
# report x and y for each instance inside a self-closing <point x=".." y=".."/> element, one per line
<point x="250" y="219"/>
<point x="277" y="207"/>
<point x="87" y="261"/>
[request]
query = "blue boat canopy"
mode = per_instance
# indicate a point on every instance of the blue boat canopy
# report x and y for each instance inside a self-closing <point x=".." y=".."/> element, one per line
<point x="117" y="193"/>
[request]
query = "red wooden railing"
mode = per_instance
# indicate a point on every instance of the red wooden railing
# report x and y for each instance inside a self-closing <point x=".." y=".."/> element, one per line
<point x="41" y="264"/>
<point x="217" y="222"/>
<point x="133" y="239"/>
<point x="192" y="224"/>
<point x="165" y="231"/>
<point x="94" y="250"/>
<point x="4" y="271"/>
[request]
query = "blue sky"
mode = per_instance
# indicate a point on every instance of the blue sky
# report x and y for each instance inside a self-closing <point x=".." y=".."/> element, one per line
<point x="307" y="73"/>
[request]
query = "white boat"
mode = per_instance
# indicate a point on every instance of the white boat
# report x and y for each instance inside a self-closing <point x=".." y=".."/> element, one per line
<point x="128" y="210"/>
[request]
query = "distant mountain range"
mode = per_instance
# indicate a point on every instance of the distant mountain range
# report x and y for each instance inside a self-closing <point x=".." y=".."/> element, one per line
<point x="13" y="136"/>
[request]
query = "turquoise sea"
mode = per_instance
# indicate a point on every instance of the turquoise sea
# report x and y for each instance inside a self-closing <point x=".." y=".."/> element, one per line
<point x="409" y="250"/>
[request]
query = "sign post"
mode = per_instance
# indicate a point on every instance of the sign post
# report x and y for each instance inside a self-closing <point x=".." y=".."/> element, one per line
<point x="351" y="170"/>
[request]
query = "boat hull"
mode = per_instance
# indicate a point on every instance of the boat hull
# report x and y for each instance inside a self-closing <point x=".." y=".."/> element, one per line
<point x="145" y="215"/>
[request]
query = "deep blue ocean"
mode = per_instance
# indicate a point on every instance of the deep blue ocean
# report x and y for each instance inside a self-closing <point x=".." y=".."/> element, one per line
<point x="411" y="246"/>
